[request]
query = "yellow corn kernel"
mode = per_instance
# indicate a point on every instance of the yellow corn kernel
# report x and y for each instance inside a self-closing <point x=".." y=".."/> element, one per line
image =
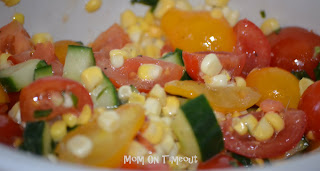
<point x="41" y="38"/>
<point x="171" y="107"/>
<point x="11" y="3"/>
<point x="128" y="18"/>
<point x="167" y="143"/>
<point x="135" y="33"/>
<point x="91" y="77"/>
<point x="149" y="72"/>
<point x="93" y="5"/>
<point x="58" y="130"/>
<point x="124" y="93"/>
<point x="4" y="63"/>
<point x="181" y="166"/>
<point x="143" y="24"/>
<point x="18" y="17"/>
<point x="152" y="107"/>
<point x="17" y="142"/>
<point x="136" y="149"/>
<point x="70" y="119"/>
<point x="259" y="161"/>
<point x="310" y="135"/>
<point x="158" y="92"/>
<point x="159" y="43"/>
<point x="216" y="13"/>
<point x="217" y="3"/>
<point x="85" y="115"/>
<point x="250" y="121"/>
<point x="152" y="51"/>
<point x="270" y="25"/>
<point x="149" y="18"/>
<point x="240" y="82"/>
<point x="263" y="130"/>
<point x="275" y="121"/>
<point x="154" y="31"/>
<point x="117" y="57"/>
<point x="211" y="65"/>
<point x="154" y="132"/>
<point x="109" y="121"/>
<point x="80" y="146"/>
<point x="220" y="80"/>
<point x="183" y="5"/>
<point x="239" y="126"/>
<point x="236" y="114"/>
<point x="232" y="16"/>
<point x="136" y="98"/>
<point x="304" y="83"/>
<point x="132" y="50"/>
<point x="162" y="7"/>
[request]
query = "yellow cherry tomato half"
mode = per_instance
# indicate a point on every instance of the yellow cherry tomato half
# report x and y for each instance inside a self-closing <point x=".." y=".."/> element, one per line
<point x="194" y="31"/>
<point x="276" y="84"/>
<point x="61" y="49"/>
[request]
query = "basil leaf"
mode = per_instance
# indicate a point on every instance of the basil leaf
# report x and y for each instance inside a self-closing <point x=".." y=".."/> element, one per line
<point x="300" y="74"/>
<point x="42" y="113"/>
<point x="263" y="14"/>
<point x="151" y="3"/>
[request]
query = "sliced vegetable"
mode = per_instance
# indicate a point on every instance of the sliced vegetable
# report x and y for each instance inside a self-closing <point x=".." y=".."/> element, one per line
<point x="61" y="48"/>
<point x="9" y="130"/>
<point x="36" y="138"/>
<point x="43" y="72"/>
<point x="151" y="3"/>
<point x="197" y="129"/>
<point x="174" y="57"/>
<point x="300" y="74"/>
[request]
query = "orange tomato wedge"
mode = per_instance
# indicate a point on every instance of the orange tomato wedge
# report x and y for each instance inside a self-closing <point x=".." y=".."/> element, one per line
<point x="221" y="99"/>
<point x="61" y="49"/>
<point x="108" y="148"/>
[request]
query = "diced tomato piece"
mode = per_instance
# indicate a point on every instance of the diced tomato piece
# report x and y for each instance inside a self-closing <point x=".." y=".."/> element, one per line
<point x="230" y="61"/>
<point x="167" y="47"/>
<point x="9" y="130"/>
<point x="14" y="39"/>
<point x="252" y="42"/>
<point x="113" y="38"/>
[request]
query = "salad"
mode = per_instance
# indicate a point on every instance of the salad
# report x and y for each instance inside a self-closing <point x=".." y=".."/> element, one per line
<point x="181" y="87"/>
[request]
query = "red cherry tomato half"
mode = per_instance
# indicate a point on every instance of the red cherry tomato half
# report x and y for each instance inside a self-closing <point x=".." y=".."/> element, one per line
<point x="220" y="160"/>
<point x="293" y="49"/>
<point x="9" y="130"/>
<point x="252" y="42"/>
<point x="295" y="124"/>
<point x="230" y="61"/>
<point x="37" y="97"/>
<point x="310" y="104"/>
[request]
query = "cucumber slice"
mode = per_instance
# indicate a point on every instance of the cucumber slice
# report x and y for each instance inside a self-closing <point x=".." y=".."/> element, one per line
<point x="105" y="94"/>
<point x="78" y="59"/>
<point x="36" y="138"/>
<point x="197" y="129"/>
<point x="14" y="78"/>
<point x="43" y="72"/>
<point x="174" y="57"/>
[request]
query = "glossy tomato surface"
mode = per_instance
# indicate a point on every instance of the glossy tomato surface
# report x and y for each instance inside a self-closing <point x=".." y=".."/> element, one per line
<point x="37" y="96"/>
<point x="9" y="130"/>
<point x="293" y="49"/>
<point x="295" y="124"/>
<point x="252" y="42"/>
<point x="310" y="104"/>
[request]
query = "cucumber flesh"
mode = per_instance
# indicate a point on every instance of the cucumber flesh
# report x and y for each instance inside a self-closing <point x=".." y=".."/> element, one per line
<point x="174" y="57"/>
<point x="14" y="78"/>
<point x="198" y="130"/>
<point x="77" y="60"/>
<point x="43" y="72"/>
<point x="105" y="94"/>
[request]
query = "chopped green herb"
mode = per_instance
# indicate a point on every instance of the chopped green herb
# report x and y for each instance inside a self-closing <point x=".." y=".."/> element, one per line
<point x="245" y="161"/>
<point x="42" y="113"/>
<point x="263" y="14"/>
<point x="41" y="64"/>
<point x="317" y="72"/>
<point x="185" y="76"/>
<point x="277" y="31"/>
<point x="234" y="163"/>
<point x="300" y="74"/>
<point x="316" y="52"/>
<point x="151" y="3"/>
<point x="74" y="100"/>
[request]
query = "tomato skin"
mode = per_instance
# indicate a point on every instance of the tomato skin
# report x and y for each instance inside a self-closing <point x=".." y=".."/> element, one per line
<point x="127" y="74"/>
<point x="51" y="84"/>
<point x="293" y="49"/>
<point x="9" y="130"/>
<point x="220" y="160"/>
<point x="310" y="104"/>
<point x="252" y="42"/>
<point x="231" y="62"/>
<point x="295" y="124"/>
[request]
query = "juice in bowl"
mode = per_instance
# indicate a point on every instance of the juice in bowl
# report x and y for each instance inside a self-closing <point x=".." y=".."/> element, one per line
<point x="159" y="85"/>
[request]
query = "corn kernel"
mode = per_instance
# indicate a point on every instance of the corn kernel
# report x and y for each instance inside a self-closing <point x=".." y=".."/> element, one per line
<point x="217" y="3"/>
<point x="310" y="135"/>
<point x="172" y="106"/>
<point x="236" y="114"/>
<point x="17" y="143"/>
<point x="149" y="18"/>
<point x="154" y="31"/>
<point x="116" y="60"/>
<point x="152" y="51"/>
<point x="220" y="80"/>
<point x="11" y="3"/>
<point x="162" y="7"/>
<point x="149" y="72"/>
<point x="270" y="25"/>
<point x="240" y="82"/>
<point x="136" y="149"/>
<point x="232" y="16"/>
<point x="158" y="92"/>
<point x="80" y="146"/>
<point x="41" y="38"/>
<point x="250" y="121"/>
<point x="263" y="130"/>
<point x="216" y="13"/>
<point x="58" y="130"/>
<point x="275" y="121"/>
<point x="132" y="50"/>
<point x="128" y="18"/>
<point x="154" y="132"/>
<point x="304" y="83"/>
<point x="124" y="93"/>
<point x="109" y="121"/>
<point x="93" y="5"/>
<point x="239" y="126"/>
<point x="18" y="17"/>
<point x="167" y="143"/>
<point x="136" y="98"/>
<point x="135" y="33"/>
<point x="70" y="119"/>
<point x="4" y="62"/>
<point x="85" y="115"/>
<point x="152" y="107"/>
<point x="57" y="99"/>
<point x="91" y="77"/>
<point x="183" y="5"/>
<point x="143" y="24"/>
<point x="211" y="65"/>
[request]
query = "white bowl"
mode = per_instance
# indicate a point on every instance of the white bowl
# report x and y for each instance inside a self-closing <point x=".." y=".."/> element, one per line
<point x="67" y="19"/>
